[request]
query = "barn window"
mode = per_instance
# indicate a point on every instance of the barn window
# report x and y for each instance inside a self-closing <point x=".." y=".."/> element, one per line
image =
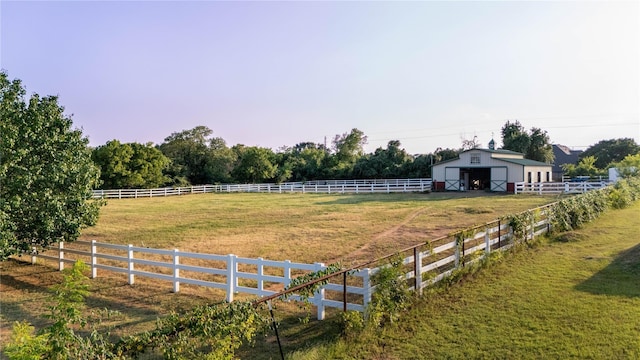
<point x="529" y="177"/>
<point x="475" y="158"/>
<point x="539" y="176"/>
<point x="548" y="176"/>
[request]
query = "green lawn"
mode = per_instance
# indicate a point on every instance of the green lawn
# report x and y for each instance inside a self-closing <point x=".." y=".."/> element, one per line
<point x="575" y="296"/>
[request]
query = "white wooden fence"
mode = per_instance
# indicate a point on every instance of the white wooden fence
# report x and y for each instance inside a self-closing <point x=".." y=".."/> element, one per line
<point x="231" y="273"/>
<point x="559" y="188"/>
<point x="146" y="193"/>
<point x="318" y="186"/>
<point x="429" y="262"/>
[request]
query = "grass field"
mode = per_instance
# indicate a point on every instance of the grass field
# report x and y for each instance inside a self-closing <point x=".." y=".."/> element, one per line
<point x="298" y="227"/>
<point x="574" y="296"/>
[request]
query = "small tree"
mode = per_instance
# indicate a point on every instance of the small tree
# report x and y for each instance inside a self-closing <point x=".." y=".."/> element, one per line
<point x="46" y="173"/>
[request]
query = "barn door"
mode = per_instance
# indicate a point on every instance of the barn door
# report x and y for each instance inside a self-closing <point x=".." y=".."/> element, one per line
<point x="452" y="179"/>
<point x="499" y="179"/>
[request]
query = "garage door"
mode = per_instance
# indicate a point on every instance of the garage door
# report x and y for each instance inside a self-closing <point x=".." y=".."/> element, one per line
<point x="499" y="179"/>
<point x="452" y="179"/>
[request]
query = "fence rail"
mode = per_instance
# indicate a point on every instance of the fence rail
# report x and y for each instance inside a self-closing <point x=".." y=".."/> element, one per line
<point x="318" y="186"/>
<point x="559" y="188"/>
<point x="426" y="264"/>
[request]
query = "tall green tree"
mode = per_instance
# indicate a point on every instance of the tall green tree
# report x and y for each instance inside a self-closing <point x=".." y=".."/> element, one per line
<point x="515" y="137"/>
<point x="612" y="150"/>
<point x="46" y="173"/>
<point x="347" y="147"/>
<point x="534" y="145"/>
<point x="131" y="165"/>
<point x="254" y="164"/>
<point x="197" y="157"/>
<point x="383" y="163"/>
<point x="540" y="148"/>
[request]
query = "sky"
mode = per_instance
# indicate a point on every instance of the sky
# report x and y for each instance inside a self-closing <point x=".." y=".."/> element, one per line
<point x="273" y="74"/>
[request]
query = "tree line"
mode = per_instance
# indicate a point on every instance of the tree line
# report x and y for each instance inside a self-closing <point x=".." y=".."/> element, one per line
<point x="195" y="156"/>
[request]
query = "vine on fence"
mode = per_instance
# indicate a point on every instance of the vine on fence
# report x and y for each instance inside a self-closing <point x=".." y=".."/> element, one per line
<point x="309" y="291"/>
<point x="391" y="295"/>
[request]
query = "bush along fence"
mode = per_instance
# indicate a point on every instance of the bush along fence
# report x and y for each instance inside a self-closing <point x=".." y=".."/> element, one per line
<point x="220" y="329"/>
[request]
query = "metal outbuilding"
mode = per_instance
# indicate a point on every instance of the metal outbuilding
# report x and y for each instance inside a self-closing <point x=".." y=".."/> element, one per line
<point x="486" y="169"/>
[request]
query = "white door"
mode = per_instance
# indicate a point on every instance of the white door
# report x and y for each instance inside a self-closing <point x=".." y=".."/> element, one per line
<point x="499" y="179"/>
<point x="452" y="179"/>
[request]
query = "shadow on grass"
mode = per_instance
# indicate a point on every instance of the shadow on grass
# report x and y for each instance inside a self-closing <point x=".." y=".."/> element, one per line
<point x="620" y="278"/>
<point x="294" y="336"/>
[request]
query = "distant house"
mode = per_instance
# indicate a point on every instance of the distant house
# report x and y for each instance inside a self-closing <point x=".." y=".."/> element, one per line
<point x="563" y="155"/>
<point x="486" y="169"/>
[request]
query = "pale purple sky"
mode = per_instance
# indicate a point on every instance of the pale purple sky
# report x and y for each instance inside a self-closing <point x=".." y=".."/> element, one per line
<point x="275" y="74"/>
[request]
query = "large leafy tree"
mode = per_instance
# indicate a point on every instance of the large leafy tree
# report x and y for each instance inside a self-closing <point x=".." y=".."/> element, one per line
<point x="534" y="144"/>
<point x="254" y="164"/>
<point x="46" y="173"/>
<point x="131" y="165"/>
<point x="540" y="148"/>
<point x="197" y="157"/>
<point x="348" y="148"/>
<point x="383" y="163"/>
<point x="304" y="161"/>
<point x="609" y="151"/>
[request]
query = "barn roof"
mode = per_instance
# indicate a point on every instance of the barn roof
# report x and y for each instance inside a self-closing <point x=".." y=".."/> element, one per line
<point x="525" y="162"/>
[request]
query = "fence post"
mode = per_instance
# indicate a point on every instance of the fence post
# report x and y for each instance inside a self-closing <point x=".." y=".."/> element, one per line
<point x="287" y="273"/>
<point x="457" y="262"/>
<point x="61" y="256"/>
<point x="130" y="261"/>
<point x="319" y="296"/>
<point x="344" y="291"/>
<point x="260" y="271"/>
<point x="366" y="287"/>
<point x="231" y="281"/>
<point x="487" y="241"/>
<point x="119" y="193"/>
<point x="176" y="271"/>
<point x="417" y="273"/>
<point x="94" y="260"/>
<point x="34" y="255"/>
<point x="533" y="227"/>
